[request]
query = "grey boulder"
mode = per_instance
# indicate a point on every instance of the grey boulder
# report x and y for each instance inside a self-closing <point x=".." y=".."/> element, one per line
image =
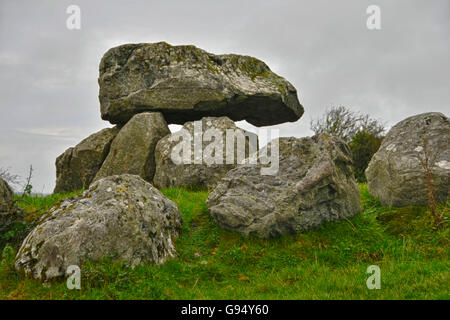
<point x="133" y="149"/>
<point x="120" y="217"/>
<point x="77" y="166"/>
<point x="186" y="83"/>
<point x="314" y="184"/>
<point x="395" y="174"/>
<point x="6" y="197"/>
<point x="208" y="170"/>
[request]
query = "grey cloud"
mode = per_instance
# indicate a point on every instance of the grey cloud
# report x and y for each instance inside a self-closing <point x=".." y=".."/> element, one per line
<point x="48" y="74"/>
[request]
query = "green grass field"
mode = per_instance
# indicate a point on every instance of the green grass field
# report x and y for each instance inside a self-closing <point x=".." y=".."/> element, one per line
<point x="328" y="263"/>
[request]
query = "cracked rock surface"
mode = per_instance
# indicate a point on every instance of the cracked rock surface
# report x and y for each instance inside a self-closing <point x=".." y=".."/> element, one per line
<point x="186" y="83"/>
<point x="314" y="184"/>
<point x="395" y="175"/>
<point x="208" y="171"/>
<point x="121" y="217"/>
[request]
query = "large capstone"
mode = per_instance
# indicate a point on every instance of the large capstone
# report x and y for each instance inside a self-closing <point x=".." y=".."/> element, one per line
<point x="186" y="83"/>
<point x="6" y="197"/>
<point x="314" y="183"/>
<point x="120" y="217"/>
<point x="77" y="166"/>
<point x="133" y="149"/>
<point x="221" y="145"/>
<point x="395" y="174"/>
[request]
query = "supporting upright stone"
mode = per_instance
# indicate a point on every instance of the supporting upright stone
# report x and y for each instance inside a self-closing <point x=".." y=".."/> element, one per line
<point x="133" y="149"/>
<point x="77" y="166"/>
<point x="212" y="163"/>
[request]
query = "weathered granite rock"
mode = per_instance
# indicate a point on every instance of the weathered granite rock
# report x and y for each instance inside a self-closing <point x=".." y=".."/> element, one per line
<point x="186" y="83"/>
<point x="6" y="197"/>
<point x="395" y="175"/>
<point x="77" y="167"/>
<point x="132" y="151"/>
<point x="207" y="170"/>
<point x="314" y="184"/>
<point x="123" y="217"/>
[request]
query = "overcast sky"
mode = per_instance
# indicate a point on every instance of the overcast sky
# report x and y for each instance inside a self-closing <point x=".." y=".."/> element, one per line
<point x="48" y="74"/>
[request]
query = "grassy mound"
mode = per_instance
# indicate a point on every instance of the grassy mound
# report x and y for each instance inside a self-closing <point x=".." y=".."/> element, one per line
<point x="328" y="263"/>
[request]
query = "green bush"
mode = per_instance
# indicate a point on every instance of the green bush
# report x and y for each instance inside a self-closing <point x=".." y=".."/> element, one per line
<point x="363" y="146"/>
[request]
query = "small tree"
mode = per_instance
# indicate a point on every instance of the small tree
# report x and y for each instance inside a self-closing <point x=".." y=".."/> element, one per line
<point x="363" y="146"/>
<point x="345" y="123"/>
<point x="28" y="187"/>
<point x="11" y="179"/>
<point x="360" y="131"/>
<point x="15" y="180"/>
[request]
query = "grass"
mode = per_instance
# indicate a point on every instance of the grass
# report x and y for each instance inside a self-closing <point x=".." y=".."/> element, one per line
<point x="328" y="263"/>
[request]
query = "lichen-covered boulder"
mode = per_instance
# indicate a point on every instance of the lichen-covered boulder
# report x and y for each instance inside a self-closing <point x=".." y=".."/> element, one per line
<point x="133" y="149"/>
<point x="186" y="83"/>
<point x="6" y="197"/>
<point x="120" y="217"/>
<point x="395" y="174"/>
<point x="77" y="166"/>
<point x="314" y="184"/>
<point x="214" y="134"/>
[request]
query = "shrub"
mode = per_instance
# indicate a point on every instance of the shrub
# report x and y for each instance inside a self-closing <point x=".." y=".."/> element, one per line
<point x="344" y="123"/>
<point x="363" y="146"/>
